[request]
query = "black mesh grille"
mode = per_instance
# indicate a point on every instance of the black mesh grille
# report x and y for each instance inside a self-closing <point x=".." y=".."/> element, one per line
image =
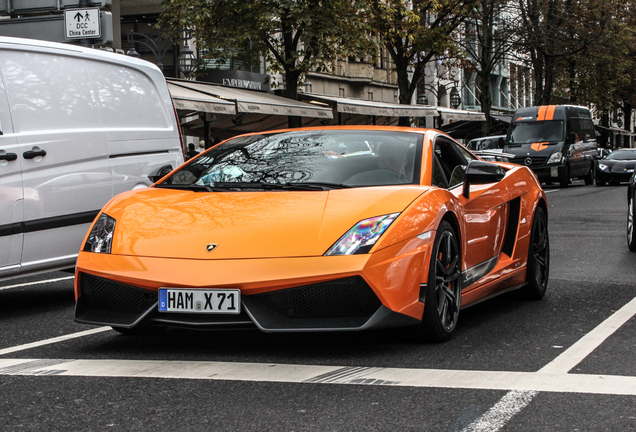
<point x="340" y="298"/>
<point x="106" y="295"/>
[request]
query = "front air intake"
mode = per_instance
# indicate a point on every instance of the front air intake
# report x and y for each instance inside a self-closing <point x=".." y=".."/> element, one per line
<point x="349" y="297"/>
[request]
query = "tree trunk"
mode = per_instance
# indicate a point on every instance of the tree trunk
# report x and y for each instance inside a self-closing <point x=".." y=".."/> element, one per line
<point x="483" y="83"/>
<point x="291" y="92"/>
<point x="406" y="94"/>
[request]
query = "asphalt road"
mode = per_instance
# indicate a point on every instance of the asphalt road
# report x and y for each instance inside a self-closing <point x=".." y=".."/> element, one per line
<point x="565" y="363"/>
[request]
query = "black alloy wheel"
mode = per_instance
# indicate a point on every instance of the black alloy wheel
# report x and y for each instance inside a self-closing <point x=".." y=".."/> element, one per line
<point x="631" y="209"/>
<point x="443" y="293"/>
<point x="538" y="268"/>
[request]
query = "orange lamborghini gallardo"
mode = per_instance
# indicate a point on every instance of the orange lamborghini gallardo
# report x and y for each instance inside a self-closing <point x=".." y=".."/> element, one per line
<point x="317" y="229"/>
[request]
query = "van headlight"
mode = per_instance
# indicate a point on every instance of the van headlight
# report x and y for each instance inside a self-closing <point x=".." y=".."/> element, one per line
<point x="361" y="238"/>
<point x="100" y="239"/>
<point x="555" y="158"/>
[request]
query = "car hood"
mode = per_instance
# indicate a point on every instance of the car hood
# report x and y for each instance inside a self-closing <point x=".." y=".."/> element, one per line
<point x="181" y="224"/>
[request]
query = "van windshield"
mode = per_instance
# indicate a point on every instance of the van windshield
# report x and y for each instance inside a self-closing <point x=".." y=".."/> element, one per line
<point x="532" y="132"/>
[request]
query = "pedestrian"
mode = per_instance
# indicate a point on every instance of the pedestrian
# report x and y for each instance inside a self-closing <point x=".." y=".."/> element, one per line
<point x="191" y="151"/>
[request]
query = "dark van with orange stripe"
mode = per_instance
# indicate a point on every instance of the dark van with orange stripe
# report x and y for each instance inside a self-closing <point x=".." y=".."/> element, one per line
<point x="557" y="142"/>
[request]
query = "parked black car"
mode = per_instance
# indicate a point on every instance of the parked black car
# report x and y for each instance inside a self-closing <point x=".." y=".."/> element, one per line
<point x="631" y="209"/>
<point x="616" y="167"/>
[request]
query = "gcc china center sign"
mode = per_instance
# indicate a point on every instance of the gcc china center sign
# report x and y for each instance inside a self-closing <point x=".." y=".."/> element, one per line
<point x="82" y="23"/>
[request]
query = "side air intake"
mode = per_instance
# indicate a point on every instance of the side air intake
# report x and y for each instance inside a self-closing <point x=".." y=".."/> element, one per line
<point x="512" y="227"/>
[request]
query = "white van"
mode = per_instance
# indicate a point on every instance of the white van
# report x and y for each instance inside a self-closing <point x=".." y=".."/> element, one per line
<point x="77" y="126"/>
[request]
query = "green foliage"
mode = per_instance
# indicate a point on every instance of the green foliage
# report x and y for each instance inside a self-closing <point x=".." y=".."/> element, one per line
<point x="296" y="36"/>
<point x="415" y="35"/>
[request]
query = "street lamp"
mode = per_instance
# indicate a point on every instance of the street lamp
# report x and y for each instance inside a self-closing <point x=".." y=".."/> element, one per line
<point x="158" y="43"/>
<point x="455" y="98"/>
<point x="186" y="62"/>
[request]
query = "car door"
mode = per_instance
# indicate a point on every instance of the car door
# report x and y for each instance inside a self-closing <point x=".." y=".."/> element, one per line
<point x="484" y="210"/>
<point x="11" y="194"/>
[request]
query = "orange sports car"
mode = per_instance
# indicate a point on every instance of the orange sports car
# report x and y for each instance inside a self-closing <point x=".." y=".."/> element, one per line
<point x="317" y="229"/>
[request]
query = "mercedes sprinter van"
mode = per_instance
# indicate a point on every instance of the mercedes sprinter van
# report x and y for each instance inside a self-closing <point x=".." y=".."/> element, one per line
<point x="557" y="142"/>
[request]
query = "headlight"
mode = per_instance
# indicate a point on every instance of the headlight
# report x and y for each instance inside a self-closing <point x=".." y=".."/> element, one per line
<point x="555" y="158"/>
<point x="361" y="238"/>
<point x="602" y="167"/>
<point x="100" y="238"/>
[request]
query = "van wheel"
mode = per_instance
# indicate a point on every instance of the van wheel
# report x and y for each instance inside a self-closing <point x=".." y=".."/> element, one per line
<point x="589" y="177"/>
<point x="538" y="267"/>
<point x="565" y="180"/>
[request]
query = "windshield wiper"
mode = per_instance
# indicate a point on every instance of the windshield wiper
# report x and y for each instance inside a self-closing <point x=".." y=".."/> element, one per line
<point x="306" y="186"/>
<point x="316" y="185"/>
<point x="189" y="187"/>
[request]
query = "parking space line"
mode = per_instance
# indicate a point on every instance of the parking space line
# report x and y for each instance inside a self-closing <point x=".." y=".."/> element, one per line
<point x="36" y="283"/>
<point x="588" y="343"/>
<point x="52" y="340"/>
<point x="312" y="374"/>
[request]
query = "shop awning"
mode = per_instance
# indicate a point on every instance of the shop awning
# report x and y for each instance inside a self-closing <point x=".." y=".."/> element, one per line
<point x="460" y="115"/>
<point x="373" y="108"/>
<point x="253" y="102"/>
<point x="191" y="100"/>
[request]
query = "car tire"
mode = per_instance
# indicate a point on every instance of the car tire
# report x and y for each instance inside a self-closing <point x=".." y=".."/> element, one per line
<point x="565" y="180"/>
<point x="589" y="177"/>
<point x="538" y="267"/>
<point x="443" y="291"/>
<point x="631" y="238"/>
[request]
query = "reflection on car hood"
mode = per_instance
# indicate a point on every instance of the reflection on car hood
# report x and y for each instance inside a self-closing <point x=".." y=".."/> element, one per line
<point x="180" y="224"/>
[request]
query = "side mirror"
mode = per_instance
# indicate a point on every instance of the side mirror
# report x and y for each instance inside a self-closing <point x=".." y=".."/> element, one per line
<point x="481" y="172"/>
<point x="571" y="137"/>
<point x="160" y="173"/>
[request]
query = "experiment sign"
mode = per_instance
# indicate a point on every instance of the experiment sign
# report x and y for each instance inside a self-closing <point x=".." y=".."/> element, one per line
<point x="82" y="23"/>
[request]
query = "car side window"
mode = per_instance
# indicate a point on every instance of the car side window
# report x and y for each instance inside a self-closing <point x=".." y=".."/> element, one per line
<point x="453" y="160"/>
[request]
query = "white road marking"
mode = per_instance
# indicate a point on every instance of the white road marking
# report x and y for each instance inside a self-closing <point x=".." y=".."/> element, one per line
<point x="497" y="416"/>
<point x="522" y="386"/>
<point x="550" y="190"/>
<point x="291" y="373"/>
<point x="52" y="340"/>
<point x="588" y="343"/>
<point x="35" y="283"/>
<point x="515" y="401"/>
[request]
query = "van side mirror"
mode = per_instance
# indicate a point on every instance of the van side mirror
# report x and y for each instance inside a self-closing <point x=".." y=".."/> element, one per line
<point x="160" y="173"/>
<point x="481" y="172"/>
<point x="571" y="138"/>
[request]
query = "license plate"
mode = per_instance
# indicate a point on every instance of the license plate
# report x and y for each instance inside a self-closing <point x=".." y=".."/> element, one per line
<point x="223" y="301"/>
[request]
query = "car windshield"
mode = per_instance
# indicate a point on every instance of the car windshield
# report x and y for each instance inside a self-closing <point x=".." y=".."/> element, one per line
<point x="532" y="132"/>
<point x="306" y="160"/>
<point x="484" y="144"/>
<point x="622" y="155"/>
